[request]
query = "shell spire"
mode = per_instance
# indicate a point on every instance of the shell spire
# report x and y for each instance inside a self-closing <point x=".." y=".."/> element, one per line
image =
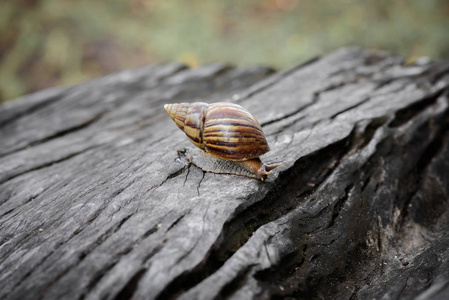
<point x="189" y="117"/>
<point x="177" y="113"/>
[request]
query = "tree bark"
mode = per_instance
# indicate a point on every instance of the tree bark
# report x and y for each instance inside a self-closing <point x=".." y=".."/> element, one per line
<point x="97" y="203"/>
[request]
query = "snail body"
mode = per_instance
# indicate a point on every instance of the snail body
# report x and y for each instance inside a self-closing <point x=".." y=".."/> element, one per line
<point x="231" y="138"/>
<point x="253" y="168"/>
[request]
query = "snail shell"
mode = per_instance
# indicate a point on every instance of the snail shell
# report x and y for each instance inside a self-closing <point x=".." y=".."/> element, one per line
<point x="226" y="131"/>
<point x="222" y="129"/>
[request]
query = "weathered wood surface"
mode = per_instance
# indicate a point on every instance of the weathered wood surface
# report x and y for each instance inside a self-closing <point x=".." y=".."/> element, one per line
<point x="95" y="202"/>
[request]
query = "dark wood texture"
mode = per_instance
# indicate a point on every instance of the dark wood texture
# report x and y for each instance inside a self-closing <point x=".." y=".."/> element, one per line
<point x="97" y="203"/>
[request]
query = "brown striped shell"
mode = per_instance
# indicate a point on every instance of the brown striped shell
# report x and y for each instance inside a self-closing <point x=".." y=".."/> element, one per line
<point x="223" y="129"/>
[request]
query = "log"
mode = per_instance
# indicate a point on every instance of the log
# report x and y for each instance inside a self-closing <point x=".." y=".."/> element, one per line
<point x="96" y="202"/>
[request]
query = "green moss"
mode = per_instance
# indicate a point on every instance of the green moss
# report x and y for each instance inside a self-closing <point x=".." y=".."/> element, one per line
<point x="56" y="42"/>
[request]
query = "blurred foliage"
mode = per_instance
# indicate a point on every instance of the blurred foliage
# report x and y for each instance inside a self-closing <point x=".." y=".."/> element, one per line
<point x="46" y="43"/>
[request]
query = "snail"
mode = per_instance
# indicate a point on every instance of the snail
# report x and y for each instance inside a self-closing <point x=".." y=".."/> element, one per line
<point x="230" y="138"/>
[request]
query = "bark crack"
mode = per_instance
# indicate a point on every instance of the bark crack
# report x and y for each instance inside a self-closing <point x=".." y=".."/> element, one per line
<point x="58" y="134"/>
<point x="67" y="157"/>
<point x="199" y="183"/>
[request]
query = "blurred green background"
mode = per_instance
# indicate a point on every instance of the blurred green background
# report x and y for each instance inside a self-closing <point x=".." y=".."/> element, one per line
<point x="46" y="43"/>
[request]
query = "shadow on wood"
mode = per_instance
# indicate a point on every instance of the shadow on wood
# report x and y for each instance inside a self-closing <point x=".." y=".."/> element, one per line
<point x="96" y="204"/>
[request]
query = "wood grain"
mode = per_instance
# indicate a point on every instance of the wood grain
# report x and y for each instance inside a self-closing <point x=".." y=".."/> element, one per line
<point x="96" y="202"/>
